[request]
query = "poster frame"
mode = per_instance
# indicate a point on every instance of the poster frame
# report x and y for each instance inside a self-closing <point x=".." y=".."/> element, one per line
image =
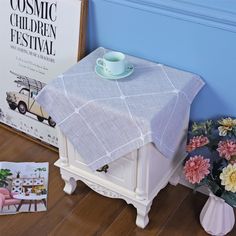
<point x="80" y="55"/>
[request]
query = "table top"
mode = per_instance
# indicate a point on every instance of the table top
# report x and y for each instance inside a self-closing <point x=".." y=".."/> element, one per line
<point x="32" y="196"/>
<point x="106" y="119"/>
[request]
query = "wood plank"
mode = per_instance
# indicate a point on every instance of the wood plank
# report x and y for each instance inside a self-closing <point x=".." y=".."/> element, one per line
<point x="123" y="224"/>
<point x="186" y="218"/>
<point x="91" y="216"/>
<point x="175" y="211"/>
<point x="5" y="135"/>
<point x="27" y="137"/>
<point x="58" y="211"/>
<point x="15" y="146"/>
<point x="166" y="202"/>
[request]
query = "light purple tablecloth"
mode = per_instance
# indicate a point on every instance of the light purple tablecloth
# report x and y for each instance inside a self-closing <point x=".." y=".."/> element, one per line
<point x="106" y="119"/>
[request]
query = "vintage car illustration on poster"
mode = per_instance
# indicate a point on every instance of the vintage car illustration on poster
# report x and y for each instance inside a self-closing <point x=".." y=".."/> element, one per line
<point x="24" y="99"/>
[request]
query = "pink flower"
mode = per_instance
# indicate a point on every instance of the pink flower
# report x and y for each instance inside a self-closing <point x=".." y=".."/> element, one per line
<point x="196" y="142"/>
<point x="196" y="168"/>
<point x="227" y="149"/>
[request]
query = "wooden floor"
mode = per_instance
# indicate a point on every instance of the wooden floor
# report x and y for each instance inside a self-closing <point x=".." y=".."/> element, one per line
<point x="175" y="211"/>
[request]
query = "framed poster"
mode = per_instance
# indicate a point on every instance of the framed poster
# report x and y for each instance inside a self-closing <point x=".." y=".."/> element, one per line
<point x="39" y="40"/>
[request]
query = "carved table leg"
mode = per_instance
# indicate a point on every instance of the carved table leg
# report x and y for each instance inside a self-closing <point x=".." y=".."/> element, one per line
<point x="142" y="215"/>
<point x="70" y="184"/>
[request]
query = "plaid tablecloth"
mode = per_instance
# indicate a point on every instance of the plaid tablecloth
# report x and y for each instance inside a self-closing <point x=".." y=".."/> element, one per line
<point x="106" y="119"/>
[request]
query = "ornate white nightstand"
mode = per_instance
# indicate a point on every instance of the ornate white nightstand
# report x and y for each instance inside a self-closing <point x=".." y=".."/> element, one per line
<point x="117" y="122"/>
<point x="137" y="177"/>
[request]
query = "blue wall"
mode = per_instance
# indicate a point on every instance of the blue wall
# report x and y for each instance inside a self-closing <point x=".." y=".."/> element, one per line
<point x="191" y="35"/>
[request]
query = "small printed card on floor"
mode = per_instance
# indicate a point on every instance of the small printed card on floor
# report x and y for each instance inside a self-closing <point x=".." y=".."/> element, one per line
<point x="23" y="187"/>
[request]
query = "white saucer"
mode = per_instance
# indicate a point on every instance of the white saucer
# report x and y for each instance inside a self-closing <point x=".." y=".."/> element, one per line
<point x="129" y="68"/>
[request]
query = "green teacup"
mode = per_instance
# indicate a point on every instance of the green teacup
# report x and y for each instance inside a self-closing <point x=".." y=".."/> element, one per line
<point x="113" y="63"/>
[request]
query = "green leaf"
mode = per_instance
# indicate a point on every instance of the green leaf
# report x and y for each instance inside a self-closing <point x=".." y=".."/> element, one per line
<point x="197" y="186"/>
<point x="214" y="187"/>
<point x="4" y="173"/>
<point x="229" y="198"/>
<point x="234" y="131"/>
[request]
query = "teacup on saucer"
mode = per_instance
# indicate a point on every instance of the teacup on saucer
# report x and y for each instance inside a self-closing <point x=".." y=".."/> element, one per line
<point x="129" y="68"/>
<point x="112" y="63"/>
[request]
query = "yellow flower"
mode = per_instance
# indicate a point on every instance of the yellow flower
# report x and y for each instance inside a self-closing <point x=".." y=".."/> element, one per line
<point x="223" y="130"/>
<point x="228" y="177"/>
<point x="227" y="124"/>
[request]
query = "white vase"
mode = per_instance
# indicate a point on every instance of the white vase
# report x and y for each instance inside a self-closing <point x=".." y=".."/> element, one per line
<point x="217" y="217"/>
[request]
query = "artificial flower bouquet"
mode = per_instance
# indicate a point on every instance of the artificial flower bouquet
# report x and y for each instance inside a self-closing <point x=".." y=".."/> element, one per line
<point x="211" y="159"/>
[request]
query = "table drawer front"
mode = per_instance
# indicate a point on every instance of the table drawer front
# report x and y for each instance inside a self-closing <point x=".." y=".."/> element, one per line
<point x="121" y="171"/>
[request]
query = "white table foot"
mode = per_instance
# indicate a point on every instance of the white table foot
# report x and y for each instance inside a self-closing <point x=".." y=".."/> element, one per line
<point x="70" y="184"/>
<point x="142" y="215"/>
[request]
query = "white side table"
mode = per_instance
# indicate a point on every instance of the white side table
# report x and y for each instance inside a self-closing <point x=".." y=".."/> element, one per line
<point x="116" y="122"/>
<point x="137" y="178"/>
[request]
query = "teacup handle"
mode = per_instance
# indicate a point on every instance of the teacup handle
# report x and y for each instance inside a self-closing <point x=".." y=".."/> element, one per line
<point x="100" y="62"/>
